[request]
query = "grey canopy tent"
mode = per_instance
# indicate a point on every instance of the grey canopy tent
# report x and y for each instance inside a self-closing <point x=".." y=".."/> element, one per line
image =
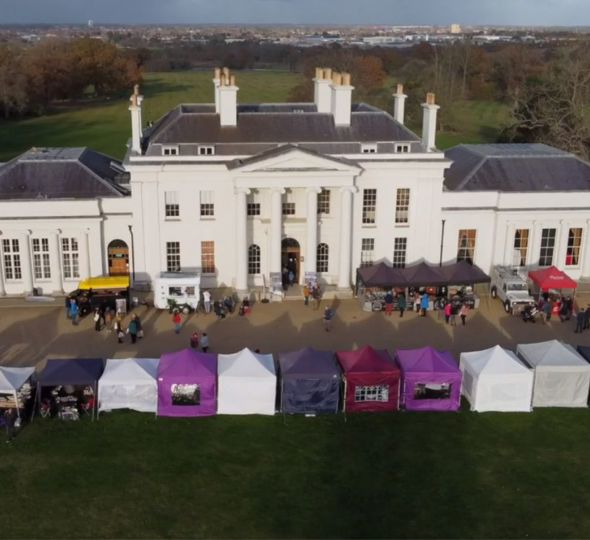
<point x="310" y="382"/>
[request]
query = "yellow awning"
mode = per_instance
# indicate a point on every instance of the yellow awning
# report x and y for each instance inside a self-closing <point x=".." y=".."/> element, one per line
<point x="104" y="282"/>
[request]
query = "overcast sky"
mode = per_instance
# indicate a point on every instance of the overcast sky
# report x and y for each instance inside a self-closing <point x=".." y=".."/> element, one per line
<point x="396" y="12"/>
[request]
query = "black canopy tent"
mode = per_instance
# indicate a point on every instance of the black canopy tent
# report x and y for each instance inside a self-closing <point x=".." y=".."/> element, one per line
<point x="380" y="277"/>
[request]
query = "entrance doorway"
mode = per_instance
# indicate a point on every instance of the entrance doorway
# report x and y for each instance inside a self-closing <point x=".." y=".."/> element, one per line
<point x="118" y="254"/>
<point x="290" y="260"/>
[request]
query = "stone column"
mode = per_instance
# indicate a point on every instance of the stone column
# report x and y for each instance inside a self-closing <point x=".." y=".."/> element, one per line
<point x="28" y="257"/>
<point x="241" y="240"/>
<point x="276" y="225"/>
<point x="312" y="230"/>
<point x="345" y="237"/>
<point x="2" y="285"/>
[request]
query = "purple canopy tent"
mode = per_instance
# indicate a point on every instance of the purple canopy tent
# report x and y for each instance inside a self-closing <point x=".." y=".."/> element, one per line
<point x="187" y="384"/>
<point x="431" y="380"/>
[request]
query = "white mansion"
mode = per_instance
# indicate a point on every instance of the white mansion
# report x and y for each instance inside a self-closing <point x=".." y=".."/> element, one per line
<point x="239" y="192"/>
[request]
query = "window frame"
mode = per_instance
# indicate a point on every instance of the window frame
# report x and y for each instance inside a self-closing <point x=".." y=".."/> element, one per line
<point x="402" y="207"/>
<point x="13" y="270"/>
<point x="171" y="205"/>
<point x="41" y="259"/>
<point x="373" y="393"/>
<point x="519" y="245"/>
<point x="254" y="266"/>
<point x="463" y="252"/>
<point x="575" y="249"/>
<point x="544" y="250"/>
<point x="365" y="251"/>
<point x="369" y="148"/>
<point x="399" y="259"/>
<point x="322" y="258"/>
<point x="169" y="151"/>
<point x="70" y="256"/>
<point x="206" y="150"/>
<point x="402" y="148"/>
<point x="369" y="208"/>
<point x="324" y="199"/>
<point x="208" y="256"/>
<point x="173" y="262"/>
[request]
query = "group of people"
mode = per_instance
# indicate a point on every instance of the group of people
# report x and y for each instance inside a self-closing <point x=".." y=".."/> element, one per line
<point x="312" y="290"/>
<point x="421" y="304"/>
<point x="202" y="341"/>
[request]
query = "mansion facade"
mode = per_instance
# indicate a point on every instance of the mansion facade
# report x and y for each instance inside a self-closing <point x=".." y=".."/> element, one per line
<point x="239" y="193"/>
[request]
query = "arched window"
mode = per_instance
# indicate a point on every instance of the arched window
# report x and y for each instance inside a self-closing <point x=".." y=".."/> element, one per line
<point x="254" y="259"/>
<point x="322" y="258"/>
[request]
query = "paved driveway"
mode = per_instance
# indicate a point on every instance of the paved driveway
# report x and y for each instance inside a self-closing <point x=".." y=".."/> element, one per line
<point x="29" y="334"/>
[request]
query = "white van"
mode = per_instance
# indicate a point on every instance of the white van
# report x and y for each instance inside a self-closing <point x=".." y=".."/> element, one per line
<point x="176" y="290"/>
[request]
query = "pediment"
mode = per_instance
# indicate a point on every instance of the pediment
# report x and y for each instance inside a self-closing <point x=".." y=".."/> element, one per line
<point x="294" y="159"/>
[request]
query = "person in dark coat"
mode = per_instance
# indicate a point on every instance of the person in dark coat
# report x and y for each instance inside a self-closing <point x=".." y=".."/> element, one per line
<point x="580" y="320"/>
<point x="587" y="318"/>
<point x="401" y="304"/>
<point x="388" y="303"/>
<point x="132" y="329"/>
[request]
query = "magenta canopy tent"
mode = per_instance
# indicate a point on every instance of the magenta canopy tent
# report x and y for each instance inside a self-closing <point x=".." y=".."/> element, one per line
<point x="431" y="380"/>
<point x="187" y="384"/>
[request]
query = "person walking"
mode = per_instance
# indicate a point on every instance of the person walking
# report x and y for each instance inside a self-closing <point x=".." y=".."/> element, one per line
<point x="195" y="340"/>
<point x="328" y="316"/>
<point x="547" y="308"/>
<point x="139" y="326"/>
<point x="306" y="295"/>
<point x="317" y="296"/>
<point x="388" y="303"/>
<point x="207" y="301"/>
<point x="177" y="321"/>
<point x="132" y="330"/>
<point x="96" y="319"/>
<point x="447" y="311"/>
<point x="453" y="318"/>
<point x="205" y="342"/>
<point x="67" y="305"/>
<point x="463" y="313"/>
<point x="580" y="320"/>
<point x="401" y="304"/>
<point x="424" y="303"/>
<point x="74" y="312"/>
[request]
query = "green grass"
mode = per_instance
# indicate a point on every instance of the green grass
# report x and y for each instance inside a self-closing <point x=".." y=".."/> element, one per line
<point x="398" y="475"/>
<point x="106" y="126"/>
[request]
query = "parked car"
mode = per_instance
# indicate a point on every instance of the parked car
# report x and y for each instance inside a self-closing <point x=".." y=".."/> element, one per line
<point x="511" y="288"/>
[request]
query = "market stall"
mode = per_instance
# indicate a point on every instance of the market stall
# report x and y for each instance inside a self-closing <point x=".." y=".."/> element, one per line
<point x="187" y="384"/>
<point x="441" y="283"/>
<point x="247" y="383"/>
<point x="431" y="380"/>
<point x="552" y="278"/>
<point x="310" y="382"/>
<point x="129" y="383"/>
<point x="67" y="388"/>
<point x="562" y="375"/>
<point x="496" y="380"/>
<point x="16" y="389"/>
<point x="371" y="380"/>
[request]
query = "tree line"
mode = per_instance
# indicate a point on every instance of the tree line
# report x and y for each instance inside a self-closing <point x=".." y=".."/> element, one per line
<point x="33" y="78"/>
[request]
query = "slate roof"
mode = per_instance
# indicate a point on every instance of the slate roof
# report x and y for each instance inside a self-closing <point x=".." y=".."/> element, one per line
<point x="62" y="173"/>
<point x="281" y="123"/>
<point x="515" y="167"/>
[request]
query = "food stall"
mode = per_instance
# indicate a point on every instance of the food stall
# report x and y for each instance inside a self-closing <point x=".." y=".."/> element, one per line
<point x="553" y="285"/>
<point x="16" y="389"/>
<point x="442" y="283"/>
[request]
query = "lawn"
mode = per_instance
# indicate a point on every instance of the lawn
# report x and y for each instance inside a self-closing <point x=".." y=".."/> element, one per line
<point x="391" y="475"/>
<point x="106" y="127"/>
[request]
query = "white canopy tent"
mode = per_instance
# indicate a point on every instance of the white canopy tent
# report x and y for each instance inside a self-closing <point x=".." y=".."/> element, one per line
<point x="496" y="380"/>
<point x="562" y="375"/>
<point x="12" y="379"/>
<point x="247" y="383"/>
<point x="129" y="384"/>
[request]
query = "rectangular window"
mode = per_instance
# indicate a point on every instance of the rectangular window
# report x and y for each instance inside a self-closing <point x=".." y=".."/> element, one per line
<point x="399" y="252"/>
<point x="170" y="150"/>
<point x="41" y="266"/>
<point x="253" y="204"/>
<point x="432" y="391"/>
<point x="574" y="243"/>
<point x="173" y="256"/>
<point x="207" y="204"/>
<point x="466" y="245"/>
<point x="402" y="148"/>
<point x="208" y="257"/>
<point x="172" y="204"/>
<point x="288" y="209"/>
<point x="402" y="206"/>
<point x="368" y="148"/>
<point x="254" y="259"/>
<point x="324" y="201"/>
<point x="372" y="393"/>
<point x="369" y="205"/>
<point x="70" y="257"/>
<point x="12" y="266"/>
<point x="206" y="150"/>
<point x="367" y="251"/>
<point x="547" y="247"/>
<point x="521" y="246"/>
<point x="322" y="258"/>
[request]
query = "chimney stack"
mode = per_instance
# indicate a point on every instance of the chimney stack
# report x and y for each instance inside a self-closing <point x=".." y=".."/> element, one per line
<point x="136" y="120"/>
<point x="399" y="104"/>
<point x="216" y="85"/>
<point x="341" y="98"/>
<point x="322" y="91"/>
<point x="430" y="109"/>
<point x="228" y="100"/>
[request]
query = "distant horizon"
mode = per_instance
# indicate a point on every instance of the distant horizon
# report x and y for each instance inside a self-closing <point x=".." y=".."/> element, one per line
<point x="516" y="13"/>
